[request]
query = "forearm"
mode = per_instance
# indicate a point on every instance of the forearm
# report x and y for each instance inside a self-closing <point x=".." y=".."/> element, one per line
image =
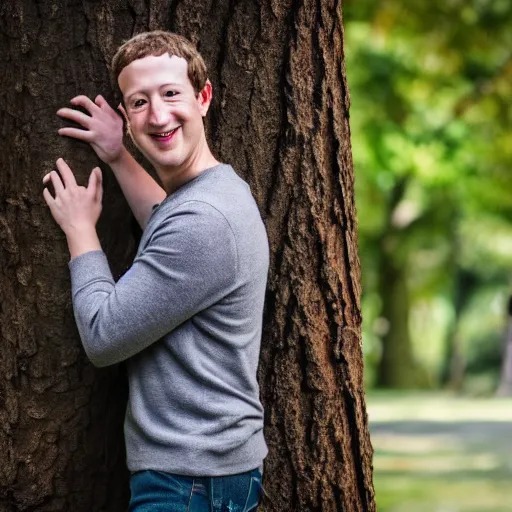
<point x="140" y="190"/>
<point x="162" y="289"/>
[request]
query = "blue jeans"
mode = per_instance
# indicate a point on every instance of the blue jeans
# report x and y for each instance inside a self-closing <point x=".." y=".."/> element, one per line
<point x="156" y="491"/>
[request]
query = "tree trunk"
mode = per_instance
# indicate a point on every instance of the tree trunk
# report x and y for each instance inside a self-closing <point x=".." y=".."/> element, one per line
<point x="397" y="368"/>
<point x="60" y="420"/>
<point x="465" y="283"/>
<point x="505" y="387"/>
<point x="280" y="116"/>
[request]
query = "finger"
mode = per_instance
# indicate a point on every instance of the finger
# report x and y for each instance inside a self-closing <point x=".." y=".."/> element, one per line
<point x="101" y="101"/>
<point x="99" y="186"/>
<point x="91" y="183"/>
<point x="67" y="174"/>
<point x="48" y="197"/>
<point x="46" y="178"/>
<point x="85" y="102"/>
<point x="94" y="187"/>
<point x="76" y="133"/>
<point x="76" y="116"/>
<point x="57" y="183"/>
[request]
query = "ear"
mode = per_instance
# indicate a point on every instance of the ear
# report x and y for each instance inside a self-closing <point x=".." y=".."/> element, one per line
<point x="121" y="109"/>
<point x="204" y="98"/>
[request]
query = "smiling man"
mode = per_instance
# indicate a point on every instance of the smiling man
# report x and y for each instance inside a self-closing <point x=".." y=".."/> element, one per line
<point x="187" y="316"/>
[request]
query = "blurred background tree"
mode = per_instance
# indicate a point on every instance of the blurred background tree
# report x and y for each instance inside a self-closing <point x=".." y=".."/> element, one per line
<point x="430" y="84"/>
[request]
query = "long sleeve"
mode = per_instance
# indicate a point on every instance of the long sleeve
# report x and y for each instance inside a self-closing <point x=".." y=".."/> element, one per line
<point x="188" y="264"/>
<point x="187" y="317"/>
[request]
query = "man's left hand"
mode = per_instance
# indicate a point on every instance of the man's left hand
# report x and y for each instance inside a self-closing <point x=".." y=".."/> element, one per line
<point x="76" y="209"/>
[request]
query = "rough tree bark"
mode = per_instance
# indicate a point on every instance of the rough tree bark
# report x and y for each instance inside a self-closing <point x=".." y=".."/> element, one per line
<point x="280" y="116"/>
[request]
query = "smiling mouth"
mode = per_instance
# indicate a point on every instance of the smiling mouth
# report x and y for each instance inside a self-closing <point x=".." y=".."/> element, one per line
<point x="165" y="135"/>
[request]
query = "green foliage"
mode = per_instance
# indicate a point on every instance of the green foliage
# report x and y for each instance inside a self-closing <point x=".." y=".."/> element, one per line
<point x="431" y="129"/>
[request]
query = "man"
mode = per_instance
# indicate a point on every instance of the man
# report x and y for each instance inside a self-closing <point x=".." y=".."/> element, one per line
<point x="187" y="316"/>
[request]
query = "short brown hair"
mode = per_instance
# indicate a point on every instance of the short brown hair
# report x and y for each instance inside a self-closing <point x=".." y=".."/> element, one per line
<point x="157" y="43"/>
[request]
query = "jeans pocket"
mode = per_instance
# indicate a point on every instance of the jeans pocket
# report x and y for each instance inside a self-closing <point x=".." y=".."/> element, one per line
<point x="253" y="496"/>
<point x="235" y="493"/>
<point x="156" y="491"/>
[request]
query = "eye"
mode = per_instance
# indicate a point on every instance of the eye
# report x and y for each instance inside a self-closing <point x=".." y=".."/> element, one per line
<point x="138" y="103"/>
<point x="170" y="94"/>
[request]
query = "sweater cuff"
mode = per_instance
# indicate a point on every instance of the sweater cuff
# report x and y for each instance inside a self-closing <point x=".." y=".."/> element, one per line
<point x="88" y="267"/>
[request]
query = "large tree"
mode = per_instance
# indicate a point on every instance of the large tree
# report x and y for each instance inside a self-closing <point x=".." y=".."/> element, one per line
<point x="280" y="116"/>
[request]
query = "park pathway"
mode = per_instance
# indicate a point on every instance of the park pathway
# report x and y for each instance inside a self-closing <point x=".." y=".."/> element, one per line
<point x="438" y="453"/>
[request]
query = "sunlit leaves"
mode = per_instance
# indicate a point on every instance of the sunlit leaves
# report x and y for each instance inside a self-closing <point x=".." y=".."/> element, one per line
<point x="431" y="120"/>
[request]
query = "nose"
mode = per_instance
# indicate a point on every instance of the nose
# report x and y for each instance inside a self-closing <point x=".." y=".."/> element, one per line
<point x="158" y="115"/>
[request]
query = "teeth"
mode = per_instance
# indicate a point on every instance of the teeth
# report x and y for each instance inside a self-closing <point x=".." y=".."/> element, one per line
<point x="166" y="134"/>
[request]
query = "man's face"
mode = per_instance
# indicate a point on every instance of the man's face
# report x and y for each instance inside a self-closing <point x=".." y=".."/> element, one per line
<point x="164" y="112"/>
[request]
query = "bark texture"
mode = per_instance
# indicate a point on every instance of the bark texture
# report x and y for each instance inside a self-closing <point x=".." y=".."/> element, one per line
<point x="280" y="116"/>
<point x="60" y="420"/>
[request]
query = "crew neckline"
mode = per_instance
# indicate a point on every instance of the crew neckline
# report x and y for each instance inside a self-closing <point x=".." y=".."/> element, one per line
<point x="189" y="183"/>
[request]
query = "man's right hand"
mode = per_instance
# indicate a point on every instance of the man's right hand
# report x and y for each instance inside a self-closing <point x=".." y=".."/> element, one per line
<point x="103" y="127"/>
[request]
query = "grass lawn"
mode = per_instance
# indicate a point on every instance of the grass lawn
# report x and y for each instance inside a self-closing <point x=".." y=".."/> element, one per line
<point x="437" y="453"/>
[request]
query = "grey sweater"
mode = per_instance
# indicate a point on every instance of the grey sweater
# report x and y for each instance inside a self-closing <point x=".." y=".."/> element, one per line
<point x="187" y="317"/>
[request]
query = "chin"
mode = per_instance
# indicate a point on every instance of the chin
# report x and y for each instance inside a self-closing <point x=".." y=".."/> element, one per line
<point x="161" y="163"/>
<point x="167" y="164"/>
